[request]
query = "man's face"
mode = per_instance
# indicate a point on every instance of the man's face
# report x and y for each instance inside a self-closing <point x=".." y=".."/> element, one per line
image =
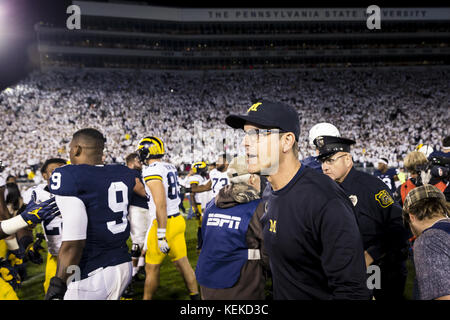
<point x="415" y="229"/>
<point x="48" y="173"/>
<point x="262" y="149"/>
<point x="221" y="164"/>
<point x="381" y="166"/>
<point x="135" y="164"/>
<point x="336" y="166"/>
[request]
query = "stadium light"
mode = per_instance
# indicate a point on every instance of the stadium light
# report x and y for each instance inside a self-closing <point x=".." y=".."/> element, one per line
<point x="3" y="26"/>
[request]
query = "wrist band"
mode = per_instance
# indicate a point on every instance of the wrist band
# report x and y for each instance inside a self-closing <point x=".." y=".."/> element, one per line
<point x="13" y="225"/>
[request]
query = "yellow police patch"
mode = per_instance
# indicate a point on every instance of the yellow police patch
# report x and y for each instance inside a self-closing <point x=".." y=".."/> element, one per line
<point x="254" y="107"/>
<point x="384" y="198"/>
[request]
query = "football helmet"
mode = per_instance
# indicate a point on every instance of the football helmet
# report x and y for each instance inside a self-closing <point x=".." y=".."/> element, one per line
<point x="199" y="167"/>
<point x="150" y="148"/>
<point x="425" y="149"/>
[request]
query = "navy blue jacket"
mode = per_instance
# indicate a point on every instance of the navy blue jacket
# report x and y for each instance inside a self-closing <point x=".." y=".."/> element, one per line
<point x="379" y="216"/>
<point x="313" y="242"/>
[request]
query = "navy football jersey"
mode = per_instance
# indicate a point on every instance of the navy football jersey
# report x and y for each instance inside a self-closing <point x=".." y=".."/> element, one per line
<point x="105" y="191"/>
<point x="387" y="177"/>
<point x="137" y="200"/>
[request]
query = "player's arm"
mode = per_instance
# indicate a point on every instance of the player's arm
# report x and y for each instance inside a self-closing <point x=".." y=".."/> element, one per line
<point x="192" y="200"/>
<point x="158" y="192"/>
<point x="33" y="214"/>
<point x="75" y="220"/>
<point x="201" y="188"/>
<point x="139" y="188"/>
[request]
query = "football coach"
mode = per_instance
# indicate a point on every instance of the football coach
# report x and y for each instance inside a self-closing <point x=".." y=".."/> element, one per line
<point x="310" y="231"/>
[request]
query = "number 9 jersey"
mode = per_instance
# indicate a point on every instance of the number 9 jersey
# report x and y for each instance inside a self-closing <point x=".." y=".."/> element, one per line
<point x="105" y="191"/>
<point x="167" y="174"/>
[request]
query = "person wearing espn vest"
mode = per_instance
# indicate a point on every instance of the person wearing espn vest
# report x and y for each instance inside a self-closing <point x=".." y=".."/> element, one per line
<point x="310" y="231"/>
<point x="379" y="217"/>
<point x="232" y="264"/>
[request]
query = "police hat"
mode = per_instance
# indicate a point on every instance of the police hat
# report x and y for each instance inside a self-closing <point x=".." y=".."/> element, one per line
<point x="268" y="114"/>
<point x="329" y="145"/>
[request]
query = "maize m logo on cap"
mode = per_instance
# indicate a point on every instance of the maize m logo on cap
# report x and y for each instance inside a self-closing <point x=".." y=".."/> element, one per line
<point x="254" y="107"/>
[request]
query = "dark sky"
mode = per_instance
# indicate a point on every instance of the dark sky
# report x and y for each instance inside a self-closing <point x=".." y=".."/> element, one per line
<point x="18" y="45"/>
<point x="18" y="53"/>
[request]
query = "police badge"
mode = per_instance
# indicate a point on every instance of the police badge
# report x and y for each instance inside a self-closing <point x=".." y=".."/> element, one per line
<point x="319" y="142"/>
<point x="384" y="198"/>
<point x="354" y="199"/>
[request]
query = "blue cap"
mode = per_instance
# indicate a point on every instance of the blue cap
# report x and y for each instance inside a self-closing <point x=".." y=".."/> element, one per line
<point x="268" y="114"/>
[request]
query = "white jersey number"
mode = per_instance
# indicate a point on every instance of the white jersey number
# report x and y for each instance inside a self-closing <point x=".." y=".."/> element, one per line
<point x="56" y="180"/>
<point x="116" y="206"/>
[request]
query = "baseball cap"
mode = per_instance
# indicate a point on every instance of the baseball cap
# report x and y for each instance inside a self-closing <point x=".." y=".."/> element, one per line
<point x="427" y="191"/>
<point x="268" y="114"/>
<point x="329" y="145"/>
<point x="237" y="169"/>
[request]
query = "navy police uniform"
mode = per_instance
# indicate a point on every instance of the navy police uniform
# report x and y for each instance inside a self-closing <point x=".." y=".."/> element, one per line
<point x="379" y="218"/>
<point x="105" y="191"/>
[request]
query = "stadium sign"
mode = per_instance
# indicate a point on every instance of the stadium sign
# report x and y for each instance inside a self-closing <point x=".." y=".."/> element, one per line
<point x="256" y="14"/>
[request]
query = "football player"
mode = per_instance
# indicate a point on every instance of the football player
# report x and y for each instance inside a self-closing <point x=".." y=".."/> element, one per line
<point x="166" y="235"/>
<point x="200" y="195"/>
<point x="218" y="175"/>
<point x="139" y="223"/>
<point x="93" y="199"/>
<point x="30" y="216"/>
<point x="52" y="228"/>
<point x="387" y="175"/>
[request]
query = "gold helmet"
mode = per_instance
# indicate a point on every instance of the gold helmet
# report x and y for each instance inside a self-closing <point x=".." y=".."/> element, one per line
<point x="199" y="167"/>
<point x="150" y="148"/>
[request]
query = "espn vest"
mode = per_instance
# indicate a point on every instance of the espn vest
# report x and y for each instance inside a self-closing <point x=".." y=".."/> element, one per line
<point x="408" y="186"/>
<point x="224" y="250"/>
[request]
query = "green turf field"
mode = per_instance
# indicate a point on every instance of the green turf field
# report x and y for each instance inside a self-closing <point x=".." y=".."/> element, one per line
<point x="171" y="285"/>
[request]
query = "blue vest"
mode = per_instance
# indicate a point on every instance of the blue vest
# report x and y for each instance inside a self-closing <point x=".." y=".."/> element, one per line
<point x="224" y="250"/>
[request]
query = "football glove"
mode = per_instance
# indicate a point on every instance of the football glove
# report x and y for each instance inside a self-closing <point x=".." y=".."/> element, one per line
<point x="37" y="212"/>
<point x="162" y="241"/>
<point x="15" y="258"/>
<point x="9" y="274"/>
<point x="34" y="250"/>
<point x="56" y="290"/>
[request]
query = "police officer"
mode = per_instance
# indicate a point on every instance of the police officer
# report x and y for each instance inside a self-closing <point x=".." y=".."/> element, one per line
<point x="319" y="129"/>
<point x="379" y="217"/>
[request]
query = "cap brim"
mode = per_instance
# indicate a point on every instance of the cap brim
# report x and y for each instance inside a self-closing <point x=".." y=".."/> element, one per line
<point x="238" y="121"/>
<point x="326" y="155"/>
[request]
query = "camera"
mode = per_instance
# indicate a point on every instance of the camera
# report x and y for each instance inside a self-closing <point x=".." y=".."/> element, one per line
<point x="2" y="166"/>
<point x="436" y="169"/>
<point x="439" y="167"/>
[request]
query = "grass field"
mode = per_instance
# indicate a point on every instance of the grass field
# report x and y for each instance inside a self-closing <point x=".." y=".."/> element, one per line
<point x="171" y="285"/>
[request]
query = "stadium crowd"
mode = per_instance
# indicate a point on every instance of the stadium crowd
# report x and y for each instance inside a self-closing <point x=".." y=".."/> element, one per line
<point x="388" y="112"/>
